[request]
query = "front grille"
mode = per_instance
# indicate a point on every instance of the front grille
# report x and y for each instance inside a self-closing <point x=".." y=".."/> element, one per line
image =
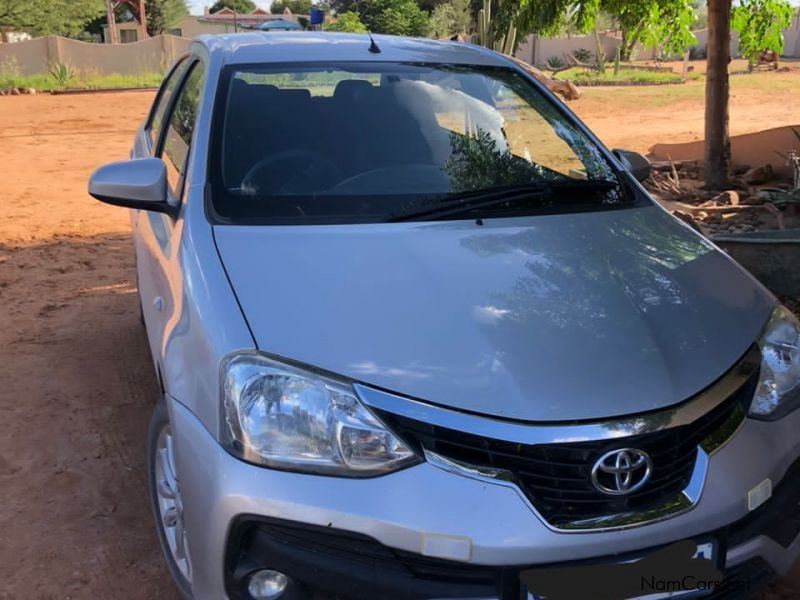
<point x="556" y="478"/>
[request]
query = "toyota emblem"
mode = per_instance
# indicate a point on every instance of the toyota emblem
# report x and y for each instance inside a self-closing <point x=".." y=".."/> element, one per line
<point x="622" y="471"/>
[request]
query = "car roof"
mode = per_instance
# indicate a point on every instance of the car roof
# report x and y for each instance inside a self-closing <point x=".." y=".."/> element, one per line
<point x="313" y="46"/>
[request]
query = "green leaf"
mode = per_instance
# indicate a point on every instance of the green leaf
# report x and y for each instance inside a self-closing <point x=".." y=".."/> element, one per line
<point x="760" y="24"/>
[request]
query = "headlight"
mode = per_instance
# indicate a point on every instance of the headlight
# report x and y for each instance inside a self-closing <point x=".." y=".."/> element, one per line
<point x="778" y="390"/>
<point x="289" y="418"/>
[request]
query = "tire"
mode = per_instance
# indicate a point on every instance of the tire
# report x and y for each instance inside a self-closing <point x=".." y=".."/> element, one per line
<point x="160" y="429"/>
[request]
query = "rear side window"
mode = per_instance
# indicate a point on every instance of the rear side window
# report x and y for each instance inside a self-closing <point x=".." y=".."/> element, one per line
<point x="162" y="102"/>
<point x="181" y="127"/>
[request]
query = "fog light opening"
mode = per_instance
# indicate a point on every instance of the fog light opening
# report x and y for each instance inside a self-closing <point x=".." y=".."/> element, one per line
<point x="267" y="584"/>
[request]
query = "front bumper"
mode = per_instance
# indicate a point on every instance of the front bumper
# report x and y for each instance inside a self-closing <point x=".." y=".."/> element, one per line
<point x="436" y="515"/>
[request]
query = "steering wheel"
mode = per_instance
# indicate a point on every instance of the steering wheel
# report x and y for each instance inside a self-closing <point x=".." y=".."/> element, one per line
<point x="400" y="179"/>
<point x="294" y="171"/>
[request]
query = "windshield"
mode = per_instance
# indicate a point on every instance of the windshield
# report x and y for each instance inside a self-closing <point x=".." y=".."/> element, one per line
<point x="357" y="142"/>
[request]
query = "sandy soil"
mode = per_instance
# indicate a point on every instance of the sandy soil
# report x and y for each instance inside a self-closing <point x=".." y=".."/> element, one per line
<point x="76" y="380"/>
<point x="76" y="384"/>
<point x="638" y="117"/>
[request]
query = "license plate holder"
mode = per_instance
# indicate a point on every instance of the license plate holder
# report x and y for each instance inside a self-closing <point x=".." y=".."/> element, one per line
<point x="707" y="548"/>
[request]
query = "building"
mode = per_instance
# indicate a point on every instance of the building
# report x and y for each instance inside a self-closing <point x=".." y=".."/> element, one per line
<point x="223" y="21"/>
<point x="9" y="35"/>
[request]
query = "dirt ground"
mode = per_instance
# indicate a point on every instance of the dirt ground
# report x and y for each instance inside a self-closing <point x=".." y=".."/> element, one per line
<point x="76" y="383"/>
<point x="637" y="117"/>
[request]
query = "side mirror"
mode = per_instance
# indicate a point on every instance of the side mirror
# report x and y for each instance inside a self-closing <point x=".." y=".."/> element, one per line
<point x="140" y="183"/>
<point x="634" y="162"/>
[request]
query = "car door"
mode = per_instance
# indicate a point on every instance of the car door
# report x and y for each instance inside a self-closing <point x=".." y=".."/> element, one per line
<point x="145" y="146"/>
<point x="157" y="235"/>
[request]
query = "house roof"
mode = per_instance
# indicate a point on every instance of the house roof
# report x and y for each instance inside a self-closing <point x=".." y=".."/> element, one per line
<point x="256" y="17"/>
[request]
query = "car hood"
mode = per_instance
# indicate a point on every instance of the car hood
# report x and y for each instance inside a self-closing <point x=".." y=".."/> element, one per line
<point x="545" y="318"/>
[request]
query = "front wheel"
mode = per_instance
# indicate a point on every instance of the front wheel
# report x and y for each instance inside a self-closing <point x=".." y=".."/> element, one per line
<point x="165" y="498"/>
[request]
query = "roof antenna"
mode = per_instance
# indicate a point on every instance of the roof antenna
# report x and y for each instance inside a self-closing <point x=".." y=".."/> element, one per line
<point x="373" y="47"/>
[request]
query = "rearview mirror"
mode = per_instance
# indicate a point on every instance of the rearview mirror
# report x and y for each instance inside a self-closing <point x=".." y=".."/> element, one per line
<point x="635" y="163"/>
<point x="139" y="183"/>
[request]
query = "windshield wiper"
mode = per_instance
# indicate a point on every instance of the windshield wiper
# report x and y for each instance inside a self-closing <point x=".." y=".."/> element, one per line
<point x="472" y="201"/>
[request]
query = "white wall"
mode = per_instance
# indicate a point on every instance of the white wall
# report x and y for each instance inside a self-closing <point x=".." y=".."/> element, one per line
<point x="536" y="50"/>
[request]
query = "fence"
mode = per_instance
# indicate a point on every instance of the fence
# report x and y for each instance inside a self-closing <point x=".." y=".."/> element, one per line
<point x="152" y="55"/>
<point x="791" y="40"/>
<point x="536" y="50"/>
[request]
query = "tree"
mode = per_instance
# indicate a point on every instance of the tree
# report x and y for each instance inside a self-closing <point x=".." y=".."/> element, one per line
<point x="666" y="25"/>
<point x="718" y="145"/>
<point x="347" y="21"/>
<point x="760" y="24"/>
<point x="397" y="17"/>
<point x="757" y="20"/>
<point x="701" y="10"/>
<point x="669" y="26"/>
<point x="162" y="15"/>
<point x="667" y="21"/>
<point x="451" y="18"/>
<point x="49" y="17"/>
<point x="111" y="22"/>
<point x="342" y="6"/>
<point x="240" y="6"/>
<point x="297" y="7"/>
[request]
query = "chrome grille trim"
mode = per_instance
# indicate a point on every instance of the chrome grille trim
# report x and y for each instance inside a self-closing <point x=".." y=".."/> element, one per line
<point x="533" y="433"/>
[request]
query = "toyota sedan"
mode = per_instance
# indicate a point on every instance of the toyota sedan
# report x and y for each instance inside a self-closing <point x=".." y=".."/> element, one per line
<point x="419" y="334"/>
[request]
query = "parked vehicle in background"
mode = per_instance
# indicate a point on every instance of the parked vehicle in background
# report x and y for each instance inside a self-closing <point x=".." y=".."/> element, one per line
<point x="280" y="25"/>
<point x="419" y="334"/>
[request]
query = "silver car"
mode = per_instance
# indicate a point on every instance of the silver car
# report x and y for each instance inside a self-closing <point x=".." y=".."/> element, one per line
<point x="420" y="335"/>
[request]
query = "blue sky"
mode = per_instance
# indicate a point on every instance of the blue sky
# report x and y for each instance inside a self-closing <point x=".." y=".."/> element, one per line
<point x="196" y="6"/>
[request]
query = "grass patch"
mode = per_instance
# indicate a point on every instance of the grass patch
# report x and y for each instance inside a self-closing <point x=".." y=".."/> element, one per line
<point x="694" y="90"/>
<point x="44" y="82"/>
<point x="581" y="76"/>
<point x="649" y="96"/>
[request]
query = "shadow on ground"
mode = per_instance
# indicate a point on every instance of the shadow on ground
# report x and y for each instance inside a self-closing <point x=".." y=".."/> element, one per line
<point x="76" y="391"/>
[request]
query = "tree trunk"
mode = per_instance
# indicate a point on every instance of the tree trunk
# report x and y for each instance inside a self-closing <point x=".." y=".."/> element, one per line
<point x="685" y="69"/>
<point x="718" y="147"/>
<point x="111" y="22"/>
<point x="624" y="45"/>
<point x="142" y="21"/>
<point x="599" y="53"/>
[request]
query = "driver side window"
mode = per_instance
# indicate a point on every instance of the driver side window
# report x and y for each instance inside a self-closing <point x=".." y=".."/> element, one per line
<point x="178" y="138"/>
<point x="156" y="124"/>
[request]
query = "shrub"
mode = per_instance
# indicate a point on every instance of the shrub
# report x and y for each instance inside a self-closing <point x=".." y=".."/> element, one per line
<point x="347" y="21"/>
<point x="697" y="53"/>
<point x="555" y="62"/>
<point x="62" y="73"/>
<point x="583" y="55"/>
<point x="450" y="18"/>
